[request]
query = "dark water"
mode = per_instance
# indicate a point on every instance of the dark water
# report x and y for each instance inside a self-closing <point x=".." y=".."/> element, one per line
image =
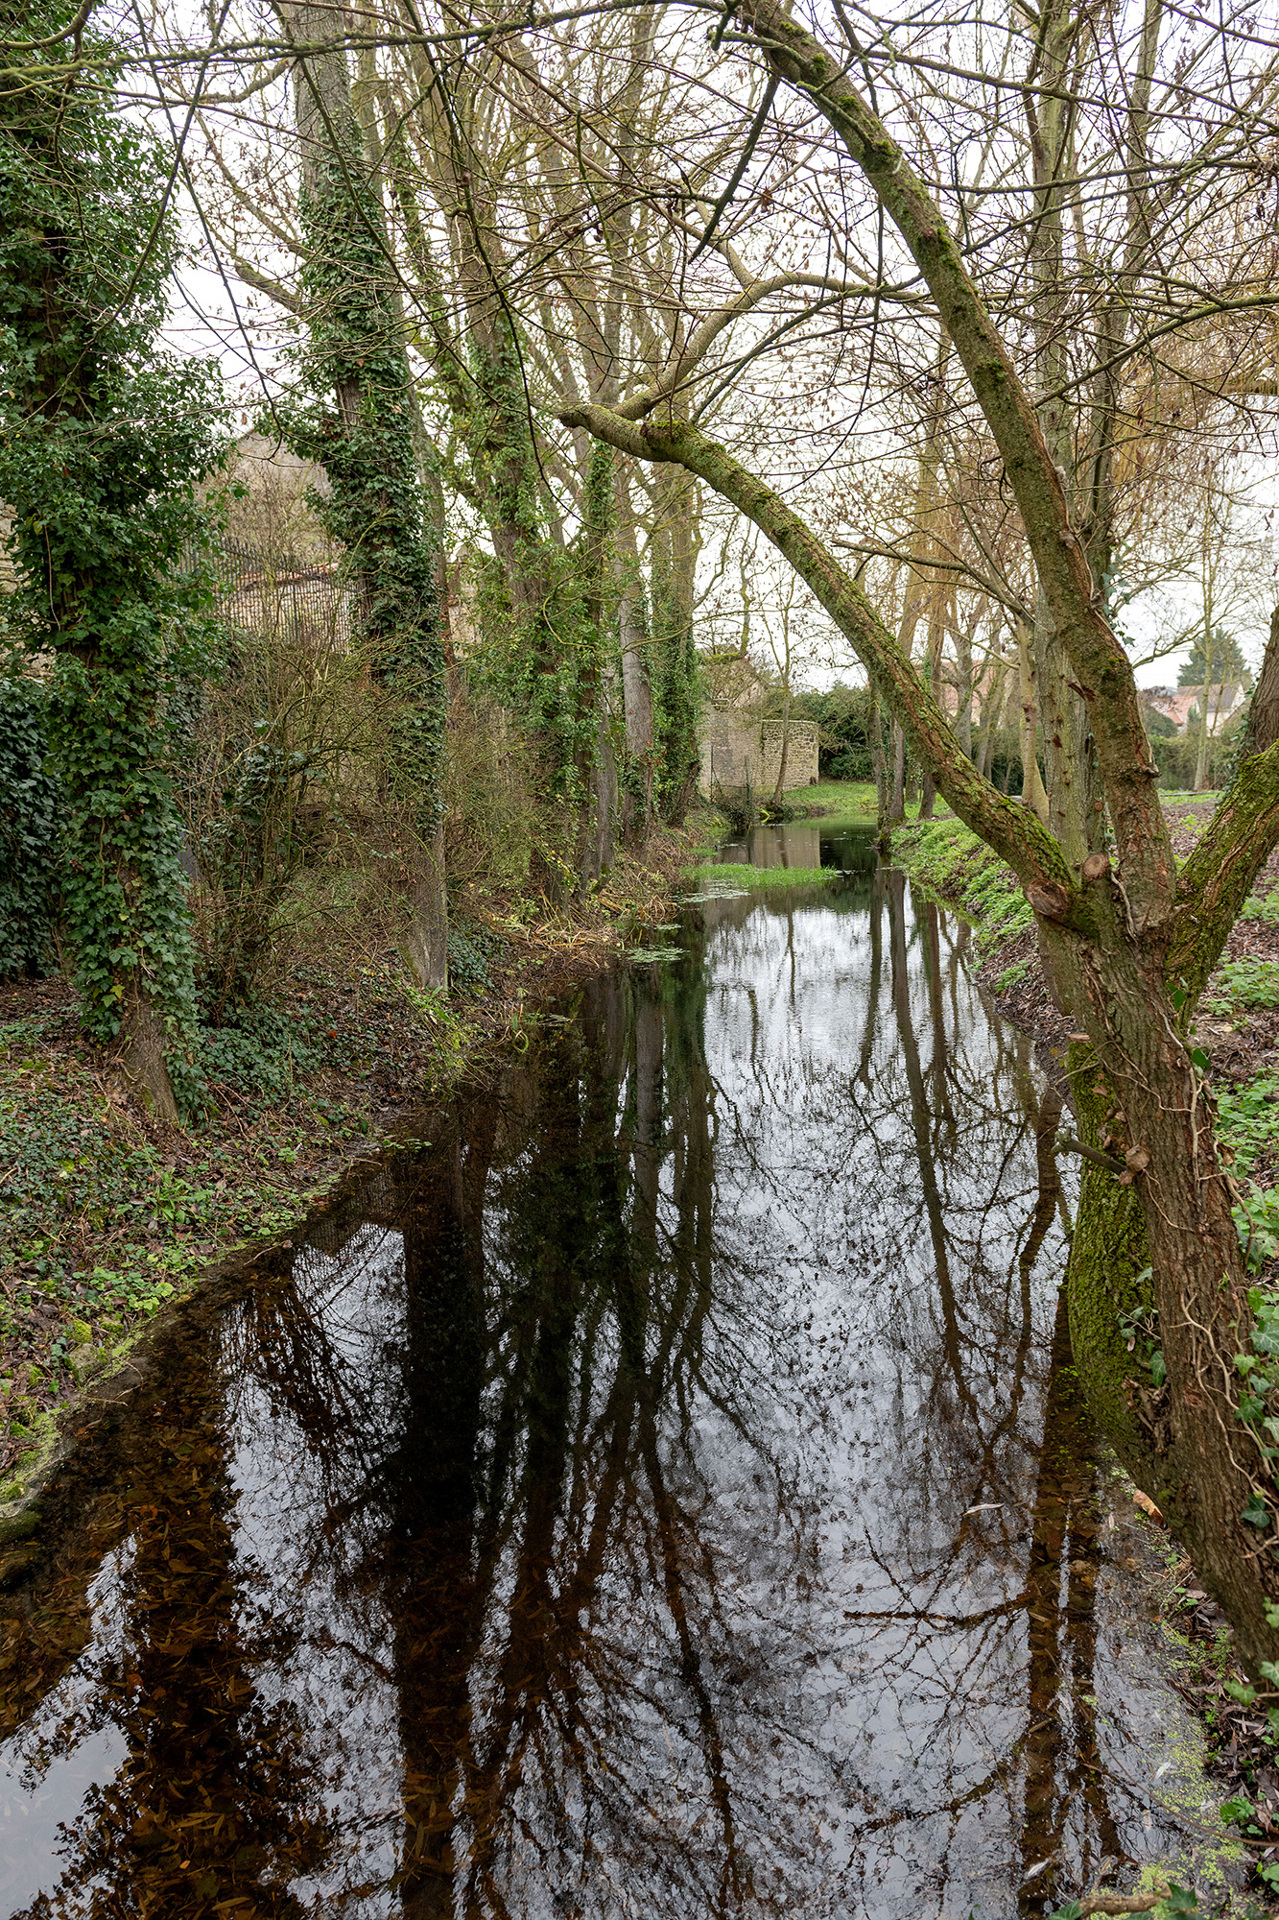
<point x="635" y="1504"/>
<point x="806" y="843"/>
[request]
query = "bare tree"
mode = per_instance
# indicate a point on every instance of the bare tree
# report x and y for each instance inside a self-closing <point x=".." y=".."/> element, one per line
<point x="1127" y="941"/>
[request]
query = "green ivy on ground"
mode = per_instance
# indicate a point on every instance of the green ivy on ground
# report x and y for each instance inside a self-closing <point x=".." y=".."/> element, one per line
<point x="1243" y="983"/>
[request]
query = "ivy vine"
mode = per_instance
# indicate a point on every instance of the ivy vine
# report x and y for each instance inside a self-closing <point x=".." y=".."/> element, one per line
<point x="103" y="440"/>
<point x="352" y="410"/>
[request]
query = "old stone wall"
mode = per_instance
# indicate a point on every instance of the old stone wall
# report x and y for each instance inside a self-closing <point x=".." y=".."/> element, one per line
<point x="739" y="752"/>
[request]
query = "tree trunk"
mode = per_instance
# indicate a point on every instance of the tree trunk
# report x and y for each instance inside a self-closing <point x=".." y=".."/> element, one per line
<point x="1032" y="787"/>
<point x="426" y="941"/>
<point x="142" y="1053"/>
<point x="637" y="690"/>
<point x="897" y="794"/>
<point x="964" y="690"/>
<point x="879" y="770"/>
<point x="780" y="784"/>
<point x="1181" y="1437"/>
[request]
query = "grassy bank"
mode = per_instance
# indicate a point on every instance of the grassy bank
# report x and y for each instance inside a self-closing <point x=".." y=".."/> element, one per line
<point x="739" y="874"/>
<point x="959" y="869"/>
<point x="852" y="800"/>
<point x="107" y="1215"/>
<point x="1237" y="1025"/>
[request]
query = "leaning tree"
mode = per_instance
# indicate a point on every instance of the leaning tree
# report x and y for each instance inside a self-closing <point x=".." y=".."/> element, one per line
<point x="1127" y="941"/>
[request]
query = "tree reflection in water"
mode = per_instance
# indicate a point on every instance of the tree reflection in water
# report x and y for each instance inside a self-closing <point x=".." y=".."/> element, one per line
<point x="634" y="1504"/>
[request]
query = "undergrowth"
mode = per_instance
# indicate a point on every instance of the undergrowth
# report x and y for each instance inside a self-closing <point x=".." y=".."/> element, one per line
<point x="105" y="1215"/>
<point x="951" y="862"/>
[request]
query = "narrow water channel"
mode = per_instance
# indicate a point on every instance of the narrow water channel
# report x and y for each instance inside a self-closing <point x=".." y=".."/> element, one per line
<point x="636" y="1503"/>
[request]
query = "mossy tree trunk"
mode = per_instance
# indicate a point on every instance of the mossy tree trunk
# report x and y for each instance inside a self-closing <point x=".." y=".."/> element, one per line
<point x="360" y="425"/>
<point x="103" y="442"/>
<point x="1128" y="945"/>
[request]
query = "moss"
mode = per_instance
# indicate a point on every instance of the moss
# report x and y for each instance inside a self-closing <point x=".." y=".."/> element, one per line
<point x="1107" y="1275"/>
<point x="19" y="1526"/>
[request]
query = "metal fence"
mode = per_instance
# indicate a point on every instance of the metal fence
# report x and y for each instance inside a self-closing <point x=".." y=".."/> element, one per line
<point x="286" y="596"/>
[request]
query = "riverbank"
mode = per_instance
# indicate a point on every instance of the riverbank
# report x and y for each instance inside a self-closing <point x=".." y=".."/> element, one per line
<point x="1238" y="1021"/>
<point x="108" y="1215"/>
<point x="1238" y="1028"/>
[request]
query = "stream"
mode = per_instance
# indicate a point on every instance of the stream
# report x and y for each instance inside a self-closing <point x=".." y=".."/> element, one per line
<point x="664" y="1495"/>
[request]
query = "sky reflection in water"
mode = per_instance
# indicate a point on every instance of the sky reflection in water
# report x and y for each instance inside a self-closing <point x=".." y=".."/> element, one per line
<point x="580" y="1524"/>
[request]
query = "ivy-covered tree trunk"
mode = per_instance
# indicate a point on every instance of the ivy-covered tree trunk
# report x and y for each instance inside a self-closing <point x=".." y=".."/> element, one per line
<point x="102" y="443"/>
<point x="637" y="688"/>
<point x="360" y="425"/>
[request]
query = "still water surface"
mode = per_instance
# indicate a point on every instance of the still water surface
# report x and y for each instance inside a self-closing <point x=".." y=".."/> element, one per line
<point x="634" y="1504"/>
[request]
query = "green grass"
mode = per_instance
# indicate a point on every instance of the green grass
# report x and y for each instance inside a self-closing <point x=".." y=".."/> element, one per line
<point x="960" y="869"/>
<point x="754" y="879"/>
<point x="837" y="799"/>
<point x="848" y="800"/>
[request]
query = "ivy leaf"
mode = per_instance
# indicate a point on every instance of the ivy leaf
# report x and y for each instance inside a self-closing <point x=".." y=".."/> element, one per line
<point x="1199" y="1058"/>
<point x="1158" y="1368"/>
<point x="1256" y="1512"/>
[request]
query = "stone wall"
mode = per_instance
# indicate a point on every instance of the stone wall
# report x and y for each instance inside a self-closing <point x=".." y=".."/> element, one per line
<point x="740" y="752"/>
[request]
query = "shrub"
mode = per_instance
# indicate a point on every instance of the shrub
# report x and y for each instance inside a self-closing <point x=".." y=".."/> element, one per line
<point x="500" y="832"/>
<point x="283" y="772"/>
<point x="28" y="828"/>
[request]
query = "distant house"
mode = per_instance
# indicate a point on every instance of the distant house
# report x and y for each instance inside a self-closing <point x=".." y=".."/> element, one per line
<point x="742" y="736"/>
<point x="1178" y="703"/>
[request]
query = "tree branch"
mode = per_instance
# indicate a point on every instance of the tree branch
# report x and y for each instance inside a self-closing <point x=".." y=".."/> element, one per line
<point x="1099" y="663"/>
<point x="263" y="284"/>
<point x="667" y="384"/>
<point x="1014" y="833"/>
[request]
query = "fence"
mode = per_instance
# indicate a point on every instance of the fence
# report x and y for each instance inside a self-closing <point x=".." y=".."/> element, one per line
<point x="280" y="594"/>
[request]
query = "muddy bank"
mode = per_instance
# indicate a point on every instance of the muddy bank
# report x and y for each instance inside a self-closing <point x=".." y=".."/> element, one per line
<point x="109" y="1216"/>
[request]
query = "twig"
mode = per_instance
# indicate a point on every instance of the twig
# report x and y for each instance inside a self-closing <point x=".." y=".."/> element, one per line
<point x="1065" y="1143"/>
